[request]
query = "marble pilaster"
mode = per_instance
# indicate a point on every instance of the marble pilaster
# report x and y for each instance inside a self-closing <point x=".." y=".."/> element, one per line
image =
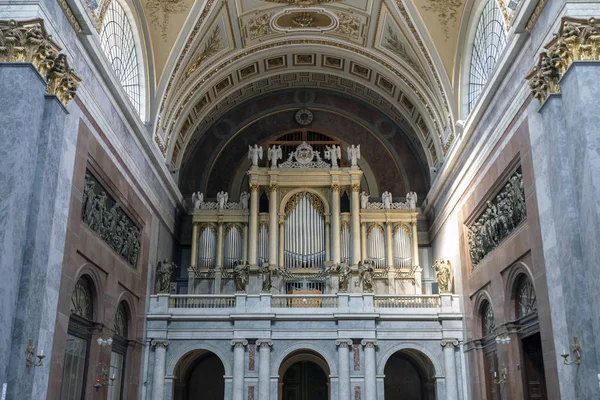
<point x="450" y="367"/>
<point x="369" y="346"/>
<point x="355" y="224"/>
<point x="238" y="368"/>
<point x="335" y="223"/>
<point x="343" y="368"/>
<point x="158" y="375"/>
<point x="253" y="226"/>
<point x="264" y="368"/>
<point x="273" y="224"/>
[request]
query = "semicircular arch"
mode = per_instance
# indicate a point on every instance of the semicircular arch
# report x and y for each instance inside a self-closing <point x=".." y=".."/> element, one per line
<point x="174" y="358"/>
<point x="280" y="356"/>
<point x="383" y="359"/>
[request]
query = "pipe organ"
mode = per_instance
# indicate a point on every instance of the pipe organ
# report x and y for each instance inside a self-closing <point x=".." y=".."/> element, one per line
<point x="304" y="231"/>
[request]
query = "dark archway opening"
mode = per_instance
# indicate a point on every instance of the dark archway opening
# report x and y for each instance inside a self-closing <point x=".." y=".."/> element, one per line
<point x="409" y="375"/>
<point x="304" y="376"/>
<point x="200" y="375"/>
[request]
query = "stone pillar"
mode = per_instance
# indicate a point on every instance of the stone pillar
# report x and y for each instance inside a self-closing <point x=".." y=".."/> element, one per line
<point x="450" y="367"/>
<point x="355" y="224"/>
<point x="194" y="259"/>
<point x="253" y="235"/>
<point x="389" y="245"/>
<point x="281" y="241"/>
<point x="343" y="368"/>
<point x="363" y="240"/>
<point x="415" y="242"/>
<point x="370" y="368"/>
<point x="273" y="224"/>
<point x="335" y="223"/>
<point x="264" y="369"/>
<point x="219" y="263"/>
<point x="158" y="376"/>
<point x="238" y="368"/>
<point x="245" y="247"/>
<point x="327" y="241"/>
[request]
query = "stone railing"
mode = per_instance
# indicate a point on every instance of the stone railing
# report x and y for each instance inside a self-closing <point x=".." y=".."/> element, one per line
<point x="201" y="301"/>
<point x="304" y="301"/>
<point x="416" y="301"/>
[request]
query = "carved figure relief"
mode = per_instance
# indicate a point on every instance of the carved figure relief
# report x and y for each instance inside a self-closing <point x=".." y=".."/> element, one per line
<point x="500" y="217"/>
<point x="164" y="270"/>
<point x="240" y="276"/>
<point x="344" y="271"/>
<point x="365" y="274"/>
<point x="348" y="25"/>
<point x="102" y="214"/>
<point x="260" y="26"/>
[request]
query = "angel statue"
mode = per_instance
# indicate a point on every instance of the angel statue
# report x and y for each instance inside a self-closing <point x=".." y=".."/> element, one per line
<point x="164" y="270"/>
<point x="244" y="196"/>
<point x="365" y="274"/>
<point x="443" y="274"/>
<point x="265" y="270"/>
<point x="411" y="199"/>
<point x="222" y="198"/>
<point x="386" y="199"/>
<point x="364" y="199"/>
<point x="274" y="154"/>
<point x="255" y="153"/>
<point x="240" y="276"/>
<point x="344" y="271"/>
<point x="353" y="155"/>
<point x="197" y="200"/>
<point x="333" y="153"/>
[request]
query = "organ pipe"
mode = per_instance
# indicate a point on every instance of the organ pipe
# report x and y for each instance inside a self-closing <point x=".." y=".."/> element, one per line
<point x="376" y="246"/>
<point x="304" y="235"/>
<point x="402" y="247"/>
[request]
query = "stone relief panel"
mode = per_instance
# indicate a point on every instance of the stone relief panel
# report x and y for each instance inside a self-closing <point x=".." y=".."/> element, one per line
<point x="501" y="216"/>
<point x="103" y="215"/>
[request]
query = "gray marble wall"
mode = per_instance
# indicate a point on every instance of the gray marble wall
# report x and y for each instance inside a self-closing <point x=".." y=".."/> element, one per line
<point x="565" y="149"/>
<point x="38" y="151"/>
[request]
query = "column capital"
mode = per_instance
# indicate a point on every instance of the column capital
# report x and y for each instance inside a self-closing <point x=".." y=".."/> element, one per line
<point x="451" y="343"/>
<point x="239" y="343"/>
<point x="369" y="343"/>
<point x="273" y="186"/>
<point x="356" y="187"/>
<point x="335" y="187"/>
<point x="254" y="187"/>
<point x="159" y="343"/>
<point x="264" y="343"/>
<point x="343" y="343"/>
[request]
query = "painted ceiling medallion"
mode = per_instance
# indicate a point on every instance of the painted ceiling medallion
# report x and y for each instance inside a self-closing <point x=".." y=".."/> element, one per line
<point x="304" y="116"/>
<point x="304" y="19"/>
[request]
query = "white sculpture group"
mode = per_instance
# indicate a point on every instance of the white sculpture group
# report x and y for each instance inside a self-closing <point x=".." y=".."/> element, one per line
<point x="221" y="203"/>
<point x="353" y="156"/>
<point x="255" y="153"/>
<point x="332" y="153"/>
<point x="387" y="202"/>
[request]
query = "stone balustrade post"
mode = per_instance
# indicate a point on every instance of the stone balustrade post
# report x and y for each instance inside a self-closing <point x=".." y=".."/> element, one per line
<point x="158" y="376"/>
<point x="238" y="368"/>
<point x="264" y="369"/>
<point x="450" y="367"/>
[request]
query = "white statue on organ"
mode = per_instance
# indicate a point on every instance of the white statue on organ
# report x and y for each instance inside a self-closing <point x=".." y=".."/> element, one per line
<point x="364" y="199"/>
<point x="197" y="200"/>
<point x="244" y="200"/>
<point x="353" y="155"/>
<point x="411" y="199"/>
<point x="255" y="153"/>
<point x="274" y="154"/>
<point x="333" y="153"/>
<point x="222" y="198"/>
<point x="386" y="199"/>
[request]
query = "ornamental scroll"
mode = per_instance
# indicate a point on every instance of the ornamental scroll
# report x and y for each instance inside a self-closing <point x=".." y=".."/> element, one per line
<point x="102" y="214"/>
<point x="28" y="42"/>
<point x="501" y="216"/>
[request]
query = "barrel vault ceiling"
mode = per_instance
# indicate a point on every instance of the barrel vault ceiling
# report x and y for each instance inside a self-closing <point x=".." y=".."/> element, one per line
<point x="398" y="55"/>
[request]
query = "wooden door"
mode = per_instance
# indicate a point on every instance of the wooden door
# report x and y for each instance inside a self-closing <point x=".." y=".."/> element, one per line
<point x="490" y="362"/>
<point x="305" y="380"/>
<point x="533" y="363"/>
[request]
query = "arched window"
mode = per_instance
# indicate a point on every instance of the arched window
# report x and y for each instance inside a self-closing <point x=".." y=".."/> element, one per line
<point x="119" y="44"/>
<point x="487" y="319"/>
<point x="526" y="302"/>
<point x="81" y="300"/>
<point x="488" y="44"/>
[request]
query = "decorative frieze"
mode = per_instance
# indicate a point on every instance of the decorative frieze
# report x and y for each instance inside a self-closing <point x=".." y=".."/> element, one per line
<point x="28" y="42"/>
<point x="102" y="214"/>
<point x="500" y="217"/>
<point x="576" y="40"/>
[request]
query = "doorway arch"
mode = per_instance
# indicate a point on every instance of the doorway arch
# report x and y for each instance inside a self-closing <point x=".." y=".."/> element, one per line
<point x="409" y="375"/>
<point x="304" y="375"/>
<point x="199" y="374"/>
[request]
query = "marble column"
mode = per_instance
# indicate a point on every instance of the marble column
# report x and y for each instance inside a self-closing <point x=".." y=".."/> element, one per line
<point x="158" y="376"/>
<point x="194" y="259"/>
<point x="245" y="246"/>
<point x="343" y="368"/>
<point x="273" y="224"/>
<point x="363" y="240"/>
<point x="370" y="368"/>
<point x="253" y="235"/>
<point x="415" y="242"/>
<point x="327" y="241"/>
<point x="264" y="369"/>
<point x="335" y="223"/>
<point x="355" y="224"/>
<point x="450" y="367"/>
<point x="220" y="245"/>
<point x="389" y="245"/>
<point x="238" y="368"/>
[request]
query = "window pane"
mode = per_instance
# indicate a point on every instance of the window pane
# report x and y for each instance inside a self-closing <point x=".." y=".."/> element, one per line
<point x="74" y="368"/>
<point x="116" y="372"/>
